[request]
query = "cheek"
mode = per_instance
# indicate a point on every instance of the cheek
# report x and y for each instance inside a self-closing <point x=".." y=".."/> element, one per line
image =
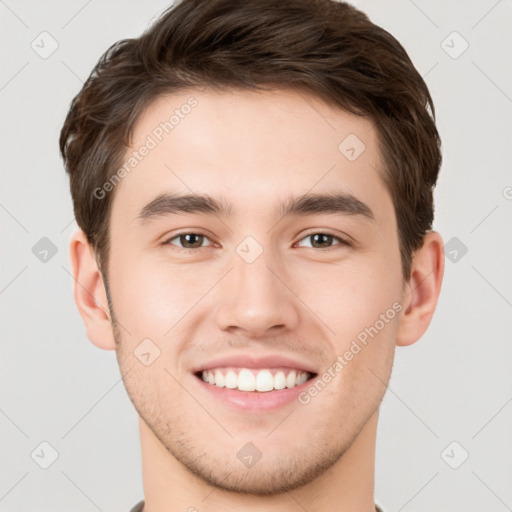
<point x="350" y="296"/>
<point x="151" y="297"/>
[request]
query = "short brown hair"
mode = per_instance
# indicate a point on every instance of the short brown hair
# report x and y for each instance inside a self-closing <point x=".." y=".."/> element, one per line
<point x="326" y="47"/>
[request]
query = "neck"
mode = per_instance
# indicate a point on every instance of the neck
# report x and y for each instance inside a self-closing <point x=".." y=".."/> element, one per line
<point x="347" y="486"/>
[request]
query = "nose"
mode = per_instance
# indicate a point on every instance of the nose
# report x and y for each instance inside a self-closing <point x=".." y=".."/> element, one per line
<point x="257" y="299"/>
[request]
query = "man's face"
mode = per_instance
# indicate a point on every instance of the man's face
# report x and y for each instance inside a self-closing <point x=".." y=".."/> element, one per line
<point x="254" y="284"/>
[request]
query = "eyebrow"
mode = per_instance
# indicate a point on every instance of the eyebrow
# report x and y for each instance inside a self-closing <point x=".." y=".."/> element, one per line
<point x="306" y="204"/>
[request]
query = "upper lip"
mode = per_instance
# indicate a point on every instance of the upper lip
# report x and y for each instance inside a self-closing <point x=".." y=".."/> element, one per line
<point x="252" y="361"/>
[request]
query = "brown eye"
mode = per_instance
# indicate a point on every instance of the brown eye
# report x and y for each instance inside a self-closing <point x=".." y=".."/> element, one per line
<point x="188" y="240"/>
<point x="321" y="240"/>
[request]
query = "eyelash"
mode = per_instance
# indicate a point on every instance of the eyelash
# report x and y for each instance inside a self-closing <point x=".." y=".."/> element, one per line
<point x="342" y="241"/>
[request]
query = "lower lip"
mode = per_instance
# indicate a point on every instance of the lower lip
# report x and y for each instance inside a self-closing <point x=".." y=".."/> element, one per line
<point x="255" y="400"/>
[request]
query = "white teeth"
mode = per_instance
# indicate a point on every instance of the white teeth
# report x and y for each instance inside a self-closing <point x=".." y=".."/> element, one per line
<point x="254" y="380"/>
<point x="246" y="381"/>
<point x="264" y="381"/>
<point x="231" y="380"/>
<point x="279" y="380"/>
<point x="219" y="379"/>
<point x="291" y="379"/>
<point x="301" y="378"/>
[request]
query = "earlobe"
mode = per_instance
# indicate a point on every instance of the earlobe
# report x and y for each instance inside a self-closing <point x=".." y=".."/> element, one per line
<point x="89" y="292"/>
<point x="422" y="290"/>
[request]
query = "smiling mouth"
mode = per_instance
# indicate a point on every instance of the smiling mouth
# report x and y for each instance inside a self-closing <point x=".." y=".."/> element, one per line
<point x="252" y="379"/>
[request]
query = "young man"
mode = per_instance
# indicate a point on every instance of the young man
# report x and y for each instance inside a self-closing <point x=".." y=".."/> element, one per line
<point x="254" y="186"/>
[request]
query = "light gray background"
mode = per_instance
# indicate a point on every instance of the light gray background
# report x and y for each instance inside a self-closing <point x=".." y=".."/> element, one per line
<point x="455" y="384"/>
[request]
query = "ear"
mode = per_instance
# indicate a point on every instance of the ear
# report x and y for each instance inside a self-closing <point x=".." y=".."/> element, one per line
<point x="89" y="292"/>
<point x="422" y="290"/>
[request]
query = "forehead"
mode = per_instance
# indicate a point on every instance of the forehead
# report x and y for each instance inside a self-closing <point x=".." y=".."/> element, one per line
<point x="255" y="149"/>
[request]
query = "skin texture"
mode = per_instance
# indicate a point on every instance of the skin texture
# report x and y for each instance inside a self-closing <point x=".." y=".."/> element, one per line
<point x="254" y="150"/>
